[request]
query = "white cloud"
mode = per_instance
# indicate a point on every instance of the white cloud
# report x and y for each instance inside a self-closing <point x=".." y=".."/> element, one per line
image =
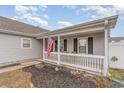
<point x="71" y="6"/>
<point x="64" y="23"/>
<point x="26" y="13"/>
<point x="14" y="18"/>
<point x="25" y="9"/>
<point x="96" y="11"/>
<point x="44" y="6"/>
<point x="45" y="16"/>
<point x="121" y="18"/>
<point x="21" y="9"/>
<point x="120" y="8"/>
<point x="38" y="21"/>
<point x="33" y="9"/>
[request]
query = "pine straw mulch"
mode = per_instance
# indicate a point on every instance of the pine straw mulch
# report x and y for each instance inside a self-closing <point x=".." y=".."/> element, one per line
<point x="51" y="76"/>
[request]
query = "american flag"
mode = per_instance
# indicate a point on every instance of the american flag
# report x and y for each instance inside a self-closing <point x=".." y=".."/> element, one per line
<point x="50" y="44"/>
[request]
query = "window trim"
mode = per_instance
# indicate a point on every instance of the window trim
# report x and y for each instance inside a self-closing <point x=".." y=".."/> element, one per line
<point x="23" y="43"/>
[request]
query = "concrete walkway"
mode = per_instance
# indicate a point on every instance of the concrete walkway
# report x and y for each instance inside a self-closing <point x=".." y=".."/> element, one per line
<point x="21" y="65"/>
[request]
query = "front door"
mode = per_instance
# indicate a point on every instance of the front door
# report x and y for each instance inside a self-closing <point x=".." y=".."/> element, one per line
<point x="83" y="45"/>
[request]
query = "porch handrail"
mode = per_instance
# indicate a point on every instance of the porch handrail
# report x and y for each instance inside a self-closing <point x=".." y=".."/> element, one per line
<point x="74" y="54"/>
<point x="52" y="52"/>
<point x="84" y="55"/>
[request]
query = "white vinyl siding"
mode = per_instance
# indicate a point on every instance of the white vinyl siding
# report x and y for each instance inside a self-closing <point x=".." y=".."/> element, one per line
<point x="10" y="48"/>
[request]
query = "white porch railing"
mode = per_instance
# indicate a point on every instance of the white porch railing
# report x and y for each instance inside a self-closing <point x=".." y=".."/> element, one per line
<point x="87" y="62"/>
<point x="52" y="58"/>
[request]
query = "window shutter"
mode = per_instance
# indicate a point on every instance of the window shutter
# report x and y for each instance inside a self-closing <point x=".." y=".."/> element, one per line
<point x="90" y="45"/>
<point x="75" y="45"/>
<point x="65" y="44"/>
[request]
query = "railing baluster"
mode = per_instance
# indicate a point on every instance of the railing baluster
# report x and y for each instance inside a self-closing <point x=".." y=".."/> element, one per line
<point x="88" y="62"/>
<point x="100" y="63"/>
<point x="83" y="61"/>
<point x="91" y="63"/>
<point x="96" y="63"/>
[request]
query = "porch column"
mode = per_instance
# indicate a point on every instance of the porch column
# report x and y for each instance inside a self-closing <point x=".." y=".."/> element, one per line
<point x="43" y="48"/>
<point x="58" y="50"/>
<point x="106" y="61"/>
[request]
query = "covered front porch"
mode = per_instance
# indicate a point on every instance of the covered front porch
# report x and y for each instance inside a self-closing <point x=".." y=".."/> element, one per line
<point x="84" y="51"/>
<point x="83" y="46"/>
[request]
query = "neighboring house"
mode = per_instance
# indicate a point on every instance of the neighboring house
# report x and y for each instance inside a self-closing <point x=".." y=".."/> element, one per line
<point x="116" y="52"/>
<point x="82" y="46"/>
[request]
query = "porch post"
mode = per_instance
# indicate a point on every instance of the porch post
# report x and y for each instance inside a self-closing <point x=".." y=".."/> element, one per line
<point x="106" y="61"/>
<point x="43" y="48"/>
<point x="58" y="50"/>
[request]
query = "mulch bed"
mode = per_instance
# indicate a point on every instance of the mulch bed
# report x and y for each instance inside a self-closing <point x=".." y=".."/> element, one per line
<point x="47" y="77"/>
<point x="51" y="76"/>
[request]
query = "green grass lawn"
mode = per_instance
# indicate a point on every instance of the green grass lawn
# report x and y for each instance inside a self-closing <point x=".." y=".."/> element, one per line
<point x="117" y="74"/>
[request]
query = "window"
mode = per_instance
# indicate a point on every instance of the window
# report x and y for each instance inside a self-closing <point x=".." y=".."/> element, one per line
<point x="65" y="44"/>
<point x="26" y="43"/>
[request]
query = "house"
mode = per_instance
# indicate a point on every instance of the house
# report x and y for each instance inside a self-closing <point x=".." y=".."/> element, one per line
<point x="83" y="46"/>
<point x="116" y="57"/>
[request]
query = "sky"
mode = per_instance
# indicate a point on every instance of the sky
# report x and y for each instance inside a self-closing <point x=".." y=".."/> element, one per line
<point x="53" y="17"/>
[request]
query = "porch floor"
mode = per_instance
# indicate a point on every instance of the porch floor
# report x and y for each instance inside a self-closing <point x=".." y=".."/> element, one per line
<point x="51" y="76"/>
